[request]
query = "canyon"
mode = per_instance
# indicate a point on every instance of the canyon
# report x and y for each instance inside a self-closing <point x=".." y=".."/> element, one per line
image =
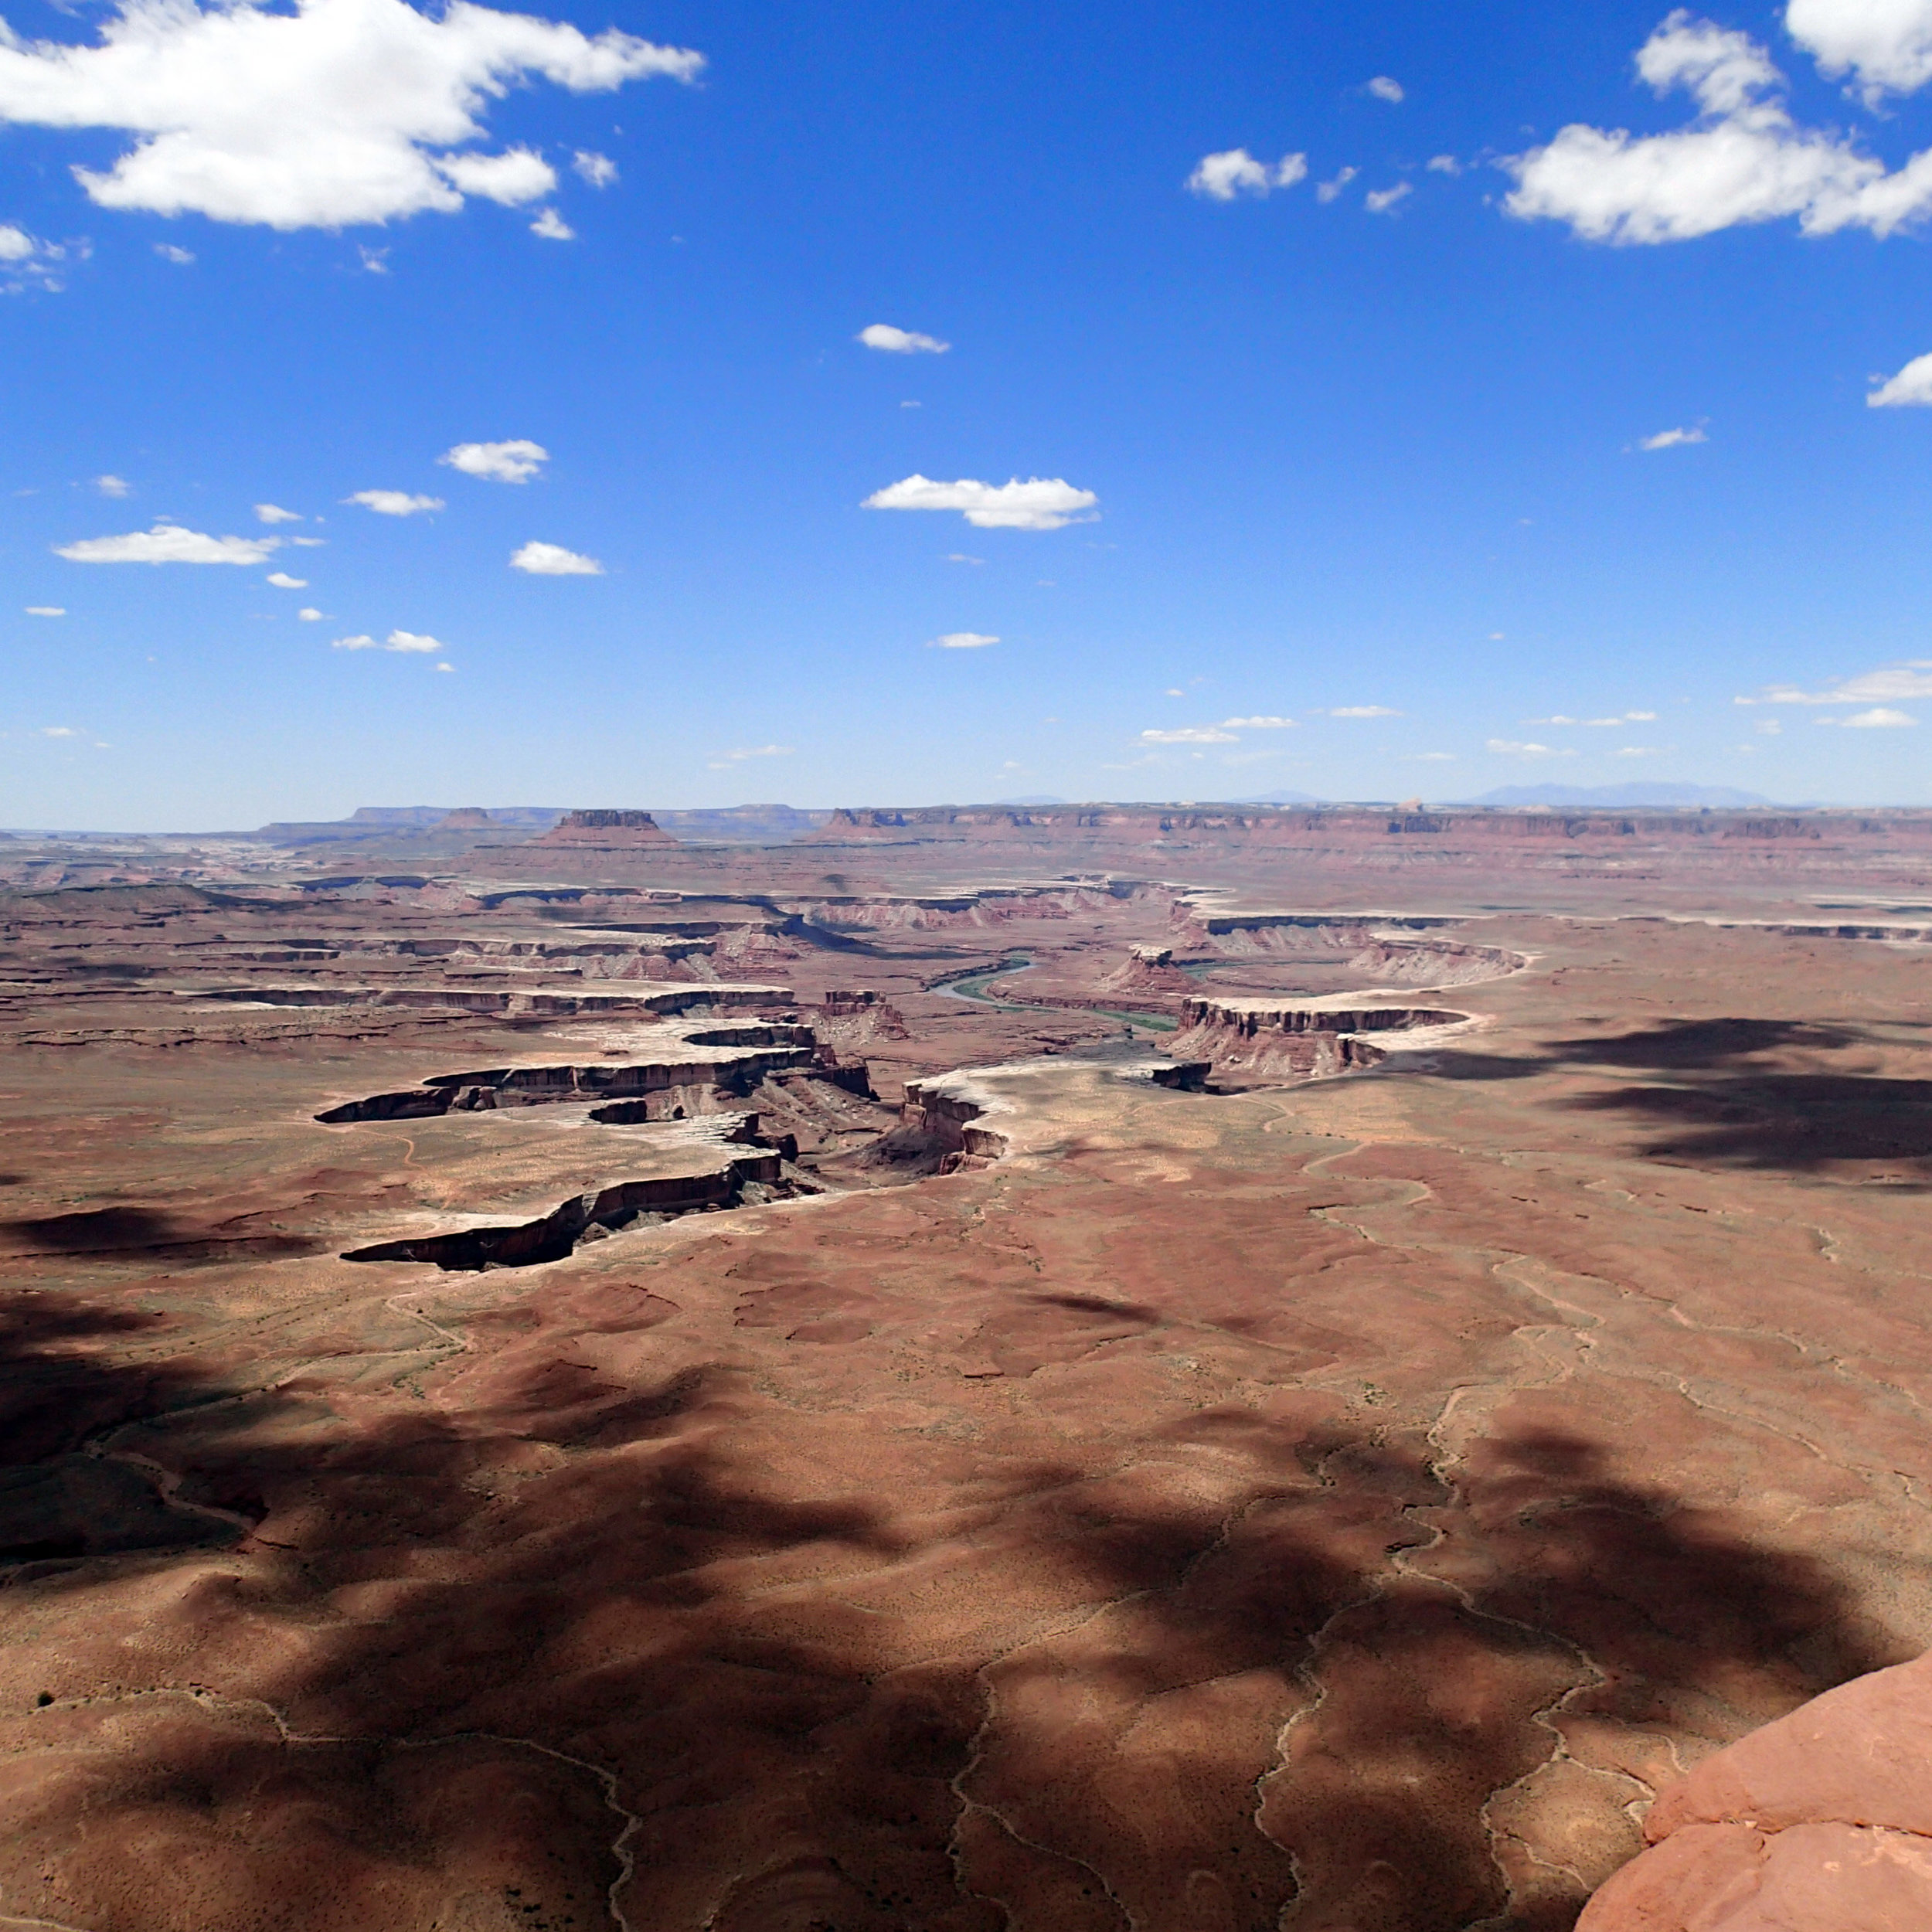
<point x="1111" y="1368"/>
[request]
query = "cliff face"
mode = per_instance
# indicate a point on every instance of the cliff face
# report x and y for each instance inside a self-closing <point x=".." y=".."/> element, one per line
<point x="1357" y="827"/>
<point x="605" y="831"/>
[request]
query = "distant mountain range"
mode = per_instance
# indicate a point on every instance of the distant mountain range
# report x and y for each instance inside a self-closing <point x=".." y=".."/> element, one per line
<point x="1718" y="798"/>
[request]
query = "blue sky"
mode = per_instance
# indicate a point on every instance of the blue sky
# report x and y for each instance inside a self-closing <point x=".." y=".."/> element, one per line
<point x="1362" y="452"/>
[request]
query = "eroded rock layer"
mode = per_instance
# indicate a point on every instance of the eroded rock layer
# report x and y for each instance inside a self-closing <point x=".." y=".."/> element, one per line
<point x="1074" y="1481"/>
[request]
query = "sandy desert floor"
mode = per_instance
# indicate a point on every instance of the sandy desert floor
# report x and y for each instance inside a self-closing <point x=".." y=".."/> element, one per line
<point x="1028" y="1410"/>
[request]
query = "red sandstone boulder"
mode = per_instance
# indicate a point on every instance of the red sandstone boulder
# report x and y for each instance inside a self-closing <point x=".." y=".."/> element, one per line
<point x="1820" y="1822"/>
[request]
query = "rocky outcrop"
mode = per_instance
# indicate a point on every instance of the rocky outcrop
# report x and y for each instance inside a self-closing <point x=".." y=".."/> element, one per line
<point x="604" y="832"/>
<point x="1308" y="1042"/>
<point x="1820" y="1822"/>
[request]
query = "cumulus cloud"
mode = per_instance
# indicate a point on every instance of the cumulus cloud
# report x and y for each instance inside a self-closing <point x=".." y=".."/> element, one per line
<point x="512" y="462"/>
<point x="1380" y="200"/>
<point x="47" y="610"/>
<point x="408" y="642"/>
<point x="1672" y="439"/>
<point x="1510" y="748"/>
<point x="1256" y="724"/>
<point x="1328" y="190"/>
<point x="309" y="615"/>
<point x="961" y="640"/>
<point x="900" y="341"/>
<point x="1886" y="43"/>
<point x="1444" y="165"/>
<point x="1363" y="711"/>
<point x="25" y="260"/>
<point x="1640" y="751"/>
<point x="1911" y="388"/>
<point x="552" y="560"/>
<point x="1223" y="176"/>
<point x="394" y="502"/>
<point x="274" y="513"/>
<point x="1040" y="503"/>
<point x="1910" y="679"/>
<point x="114" y="485"/>
<point x="181" y="257"/>
<point x="553" y="227"/>
<point x="599" y="170"/>
<point x="1743" y="160"/>
<point x="58" y="731"/>
<point x="283" y="581"/>
<point x="169" y="543"/>
<point x="1879" y="718"/>
<point x="335" y="112"/>
<point x="1191" y="735"/>
<point x="1383" y="88"/>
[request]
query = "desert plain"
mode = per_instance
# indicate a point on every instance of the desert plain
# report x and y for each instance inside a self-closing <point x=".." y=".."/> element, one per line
<point x="1118" y="1369"/>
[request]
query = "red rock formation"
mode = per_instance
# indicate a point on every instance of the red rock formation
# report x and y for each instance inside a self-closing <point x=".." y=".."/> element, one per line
<point x="605" y="831"/>
<point x="1820" y="1822"/>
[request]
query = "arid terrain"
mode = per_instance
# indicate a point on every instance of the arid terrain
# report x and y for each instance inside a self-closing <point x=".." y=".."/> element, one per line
<point x="1115" y="1370"/>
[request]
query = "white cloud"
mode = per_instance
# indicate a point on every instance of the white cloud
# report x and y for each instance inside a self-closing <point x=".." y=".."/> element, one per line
<point x="169" y="543"/>
<point x="1383" y="88"/>
<point x="1380" y="200"/>
<point x="1672" y="439"/>
<point x="1363" y="711"/>
<point x="552" y="560"/>
<point x="960" y="557"/>
<point x="1622" y="718"/>
<point x="726" y="760"/>
<point x="309" y="542"/>
<point x="375" y="260"/>
<point x="408" y="642"/>
<point x="961" y="640"/>
<point x="1328" y="190"/>
<point x="1256" y="724"/>
<point x="1444" y="165"/>
<point x="1509" y="748"/>
<point x="553" y="227"/>
<point x="25" y="260"/>
<point x="900" y="341"/>
<point x="1743" y="160"/>
<point x="114" y="485"/>
<point x="599" y="170"/>
<point x="1769" y="727"/>
<point x="1640" y="751"/>
<point x="512" y="462"/>
<point x="336" y="111"/>
<point x="1880" y="718"/>
<point x="1040" y="503"/>
<point x="446" y="666"/>
<point x="58" y="731"/>
<point x="1887" y="43"/>
<point x="1435" y="757"/>
<point x="1911" y="387"/>
<point x="181" y="257"/>
<point x="274" y="513"/>
<point x="309" y="615"/>
<point x="47" y="610"/>
<point x="283" y="581"/>
<point x="1911" y="679"/>
<point x="1191" y="735"/>
<point x="513" y="177"/>
<point x="394" y="502"/>
<point x="1222" y="177"/>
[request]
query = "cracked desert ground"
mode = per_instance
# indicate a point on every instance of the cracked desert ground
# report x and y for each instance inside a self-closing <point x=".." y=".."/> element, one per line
<point x="1066" y="1377"/>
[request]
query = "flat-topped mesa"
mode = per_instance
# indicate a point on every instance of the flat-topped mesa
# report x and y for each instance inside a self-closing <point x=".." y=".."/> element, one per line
<point x="1309" y="1041"/>
<point x="605" y="831"/>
